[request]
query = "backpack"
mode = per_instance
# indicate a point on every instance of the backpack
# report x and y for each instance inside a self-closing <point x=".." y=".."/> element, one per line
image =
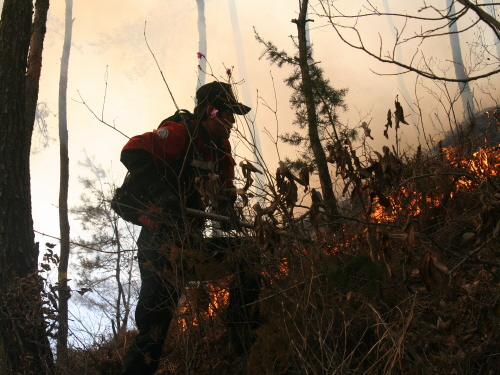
<point x="131" y="200"/>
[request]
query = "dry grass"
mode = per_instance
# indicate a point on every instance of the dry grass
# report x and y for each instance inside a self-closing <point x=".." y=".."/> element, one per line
<point x="408" y="285"/>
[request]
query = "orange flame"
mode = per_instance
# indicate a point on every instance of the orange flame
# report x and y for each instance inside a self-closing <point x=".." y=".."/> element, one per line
<point x="480" y="165"/>
<point x="192" y="312"/>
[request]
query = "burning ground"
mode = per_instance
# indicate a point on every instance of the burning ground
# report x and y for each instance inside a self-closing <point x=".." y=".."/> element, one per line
<point x="405" y="281"/>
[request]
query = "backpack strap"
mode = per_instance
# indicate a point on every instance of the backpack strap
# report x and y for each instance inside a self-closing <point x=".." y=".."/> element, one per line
<point x="183" y="116"/>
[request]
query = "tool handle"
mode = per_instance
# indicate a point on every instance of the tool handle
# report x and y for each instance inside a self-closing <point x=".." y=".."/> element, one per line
<point x="208" y="215"/>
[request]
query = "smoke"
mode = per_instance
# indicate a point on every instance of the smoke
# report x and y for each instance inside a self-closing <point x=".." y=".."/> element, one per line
<point x="458" y="61"/>
<point x="202" y="43"/>
<point x="491" y="10"/>
<point x="247" y="99"/>
<point x="401" y="82"/>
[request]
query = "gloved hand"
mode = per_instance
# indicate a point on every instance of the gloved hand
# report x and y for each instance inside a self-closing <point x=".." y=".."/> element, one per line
<point x="226" y="208"/>
<point x="162" y="196"/>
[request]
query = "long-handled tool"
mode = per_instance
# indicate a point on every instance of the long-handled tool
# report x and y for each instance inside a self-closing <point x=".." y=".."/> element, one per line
<point x="221" y="219"/>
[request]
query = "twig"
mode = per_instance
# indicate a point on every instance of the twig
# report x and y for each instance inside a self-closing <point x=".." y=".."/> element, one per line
<point x="158" y="65"/>
<point x="439" y="174"/>
<point x="101" y="120"/>
<point x="470" y="255"/>
<point x="281" y="291"/>
<point x="81" y="245"/>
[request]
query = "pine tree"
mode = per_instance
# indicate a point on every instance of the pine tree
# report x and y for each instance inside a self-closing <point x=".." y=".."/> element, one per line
<point x="315" y="103"/>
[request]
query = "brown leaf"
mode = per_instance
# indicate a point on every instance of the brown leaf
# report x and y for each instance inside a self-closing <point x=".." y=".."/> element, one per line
<point x="441" y="324"/>
<point x="280" y="182"/>
<point x="384" y="239"/>
<point x="291" y="195"/>
<point x="364" y="173"/>
<point x="383" y="200"/>
<point x="285" y="171"/>
<point x="389" y="120"/>
<point x="398" y="114"/>
<point x="82" y="291"/>
<point x="304" y="176"/>
<point x="367" y="130"/>
<point x="258" y="209"/>
<point x="411" y="235"/>
<point x="316" y="197"/>
<point x="431" y="275"/>
<point x="424" y="271"/>
<point x="45" y="266"/>
<point x="331" y="154"/>
<point x="248" y="182"/>
<point x="250" y="167"/>
<point x="247" y="170"/>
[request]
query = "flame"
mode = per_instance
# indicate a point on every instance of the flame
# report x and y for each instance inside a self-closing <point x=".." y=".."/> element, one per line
<point x="480" y="165"/>
<point x="219" y="299"/>
<point x="192" y="312"/>
<point x="380" y="213"/>
<point x="283" y="267"/>
<point x="483" y="163"/>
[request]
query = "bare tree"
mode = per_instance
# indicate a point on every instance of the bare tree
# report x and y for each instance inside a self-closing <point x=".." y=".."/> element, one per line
<point x="64" y="294"/>
<point x="105" y="265"/>
<point x="416" y="30"/>
<point x="23" y="342"/>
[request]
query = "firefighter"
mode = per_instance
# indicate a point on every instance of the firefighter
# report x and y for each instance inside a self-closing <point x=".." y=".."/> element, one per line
<point x="169" y="164"/>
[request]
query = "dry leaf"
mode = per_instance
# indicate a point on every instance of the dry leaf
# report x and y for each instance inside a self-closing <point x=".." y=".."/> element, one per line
<point x="441" y="324"/>
<point x="383" y="200"/>
<point x="304" y="176"/>
<point x="431" y="275"/>
<point x="389" y="119"/>
<point x="250" y="167"/>
<point x="398" y="114"/>
<point x="367" y="130"/>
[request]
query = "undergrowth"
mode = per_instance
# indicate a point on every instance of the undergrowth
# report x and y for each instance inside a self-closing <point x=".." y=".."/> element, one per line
<point x="405" y="281"/>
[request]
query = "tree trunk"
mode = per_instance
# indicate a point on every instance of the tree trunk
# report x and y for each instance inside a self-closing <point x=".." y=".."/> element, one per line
<point x="64" y="294"/>
<point x="35" y="65"/>
<point x="120" y="293"/>
<point x="202" y="42"/>
<point x="458" y="63"/>
<point x="312" y="119"/>
<point x="22" y="333"/>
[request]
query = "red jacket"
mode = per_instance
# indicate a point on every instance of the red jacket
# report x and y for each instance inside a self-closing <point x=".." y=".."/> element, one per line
<point x="159" y="157"/>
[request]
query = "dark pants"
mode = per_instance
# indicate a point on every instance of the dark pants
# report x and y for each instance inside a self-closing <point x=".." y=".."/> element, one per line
<point x="159" y="296"/>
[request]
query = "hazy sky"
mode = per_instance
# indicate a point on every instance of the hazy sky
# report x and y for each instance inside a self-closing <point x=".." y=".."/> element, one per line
<point x="109" y="47"/>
